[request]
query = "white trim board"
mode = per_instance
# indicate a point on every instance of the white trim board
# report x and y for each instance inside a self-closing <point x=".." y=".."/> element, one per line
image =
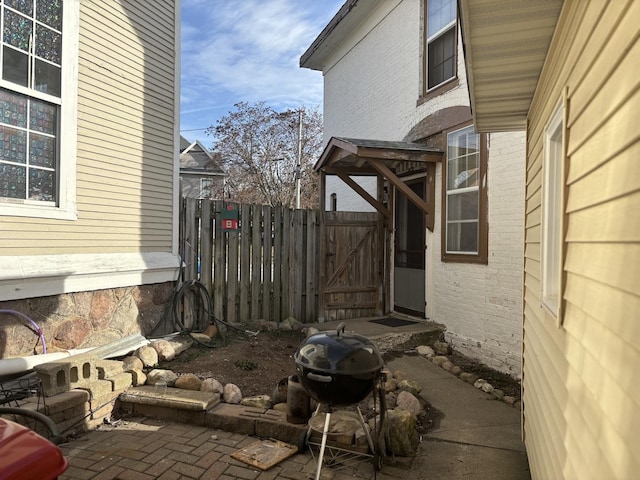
<point x="43" y="275"/>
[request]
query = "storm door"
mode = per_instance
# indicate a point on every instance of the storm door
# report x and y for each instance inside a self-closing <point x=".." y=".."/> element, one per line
<point x="409" y="265"/>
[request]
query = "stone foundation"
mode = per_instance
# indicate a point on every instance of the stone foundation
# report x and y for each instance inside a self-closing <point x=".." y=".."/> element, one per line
<point x="83" y="319"/>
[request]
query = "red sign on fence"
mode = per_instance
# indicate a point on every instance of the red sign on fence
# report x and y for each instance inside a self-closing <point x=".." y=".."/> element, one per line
<point x="229" y="224"/>
<point x="230" y="217"/>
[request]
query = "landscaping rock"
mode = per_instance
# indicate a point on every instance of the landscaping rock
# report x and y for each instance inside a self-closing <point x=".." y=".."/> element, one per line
<point x="499" y="394"/>
<point x="280" y="407"/>
<point x="391" y="385"/>
<point x="400" y="375"/>
<point x="132" y="363"/>
<point x="148" y="355"/>
<point x="509" y="400"/>
<point x="231" y="394"/>
<point x="447" y="366"/>
<point x="469" y="377"/>
<point x="165" y="350"/>
<point x="478" y="383"/>
<point x="189" y="381"/>
<point x="401" y="436"/>
<point x="425" y="351"/>
<point x="410" y="386"/>
<point x="161" y="376"/>
<point x="487" y="387"/>
<point x="180" y="344"/>
<point x="211" y="385"/>
<point x="260" y="401"/>
<point x="310" y="331"/>
<point x="441" y="348"/>
<point x="455" y="370"/>
<point x="409" y="402"/>
<point x="138" y="377"/>
<point x="439" y="360"/>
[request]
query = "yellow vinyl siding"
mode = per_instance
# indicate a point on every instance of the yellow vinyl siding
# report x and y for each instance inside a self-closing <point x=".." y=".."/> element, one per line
<point x="126" y="79"/>
<point x="581" y="400"/>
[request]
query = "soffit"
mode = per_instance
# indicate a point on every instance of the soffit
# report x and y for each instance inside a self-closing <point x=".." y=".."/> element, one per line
<point x="505" y="42"/>
<point x="350" y="15"/>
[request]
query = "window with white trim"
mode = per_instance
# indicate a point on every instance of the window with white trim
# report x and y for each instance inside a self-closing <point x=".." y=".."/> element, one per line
<point x="32" y="93"/>
<point x="206" y="187"/>
<point x="551" y="244"/>
<point x="464" y="202"/>
<point x="440" y="42"/>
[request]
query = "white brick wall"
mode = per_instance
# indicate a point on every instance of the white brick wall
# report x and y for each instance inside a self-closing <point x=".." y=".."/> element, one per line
<point x="371" y="91"/>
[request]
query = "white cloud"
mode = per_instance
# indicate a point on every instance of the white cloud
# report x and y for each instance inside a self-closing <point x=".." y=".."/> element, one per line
<point x="248" y="50"/>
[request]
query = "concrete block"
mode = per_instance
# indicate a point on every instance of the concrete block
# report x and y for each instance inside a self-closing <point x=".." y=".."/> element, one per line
<point x="54" y="377"/>
<point x="120" y="381"/>
<point x="273" y="424"/>
<point x="62" y="376"/>
<point x="109" y="368"/>
<point x="171" y="397"/>
<point x="65" y="401"/>
<point x="97" y="388"/>
<point x="233" y="418"/>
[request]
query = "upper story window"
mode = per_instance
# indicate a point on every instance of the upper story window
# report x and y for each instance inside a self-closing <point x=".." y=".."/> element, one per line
<point x="441" y="42"/>
<point x="32" y="175"/>
<point x="465" y="197"/>
<point x="206" y="188"/>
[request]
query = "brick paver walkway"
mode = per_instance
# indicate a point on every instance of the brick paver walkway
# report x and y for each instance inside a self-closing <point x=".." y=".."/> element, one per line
<point x="155" y="449"/>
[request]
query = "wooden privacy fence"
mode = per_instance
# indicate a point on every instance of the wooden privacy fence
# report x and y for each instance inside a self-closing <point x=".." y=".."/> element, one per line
<point x="266" y="269"/>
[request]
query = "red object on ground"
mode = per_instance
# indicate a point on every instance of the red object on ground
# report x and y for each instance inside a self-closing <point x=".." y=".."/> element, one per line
<point x="26" y="455"/>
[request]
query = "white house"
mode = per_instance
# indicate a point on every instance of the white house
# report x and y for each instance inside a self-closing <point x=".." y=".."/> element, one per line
<point x="397" y="110"/>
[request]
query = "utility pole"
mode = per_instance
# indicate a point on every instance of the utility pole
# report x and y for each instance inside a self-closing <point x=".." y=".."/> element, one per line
<point x="298" y="166"/>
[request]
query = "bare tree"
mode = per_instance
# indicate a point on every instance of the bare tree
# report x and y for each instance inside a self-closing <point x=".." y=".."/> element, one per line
<point x="259" y="149"/>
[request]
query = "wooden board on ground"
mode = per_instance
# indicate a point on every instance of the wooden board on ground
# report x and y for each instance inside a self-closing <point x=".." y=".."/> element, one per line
<point x="264" y="454"/>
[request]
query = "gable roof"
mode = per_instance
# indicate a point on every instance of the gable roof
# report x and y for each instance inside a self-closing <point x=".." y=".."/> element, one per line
<point x="196" y="159"/>
<point x="505" y="44"/>
<point x="350" y="155"/>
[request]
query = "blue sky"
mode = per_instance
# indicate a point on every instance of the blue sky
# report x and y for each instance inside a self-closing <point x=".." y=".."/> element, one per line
<point x="247" y="50"/>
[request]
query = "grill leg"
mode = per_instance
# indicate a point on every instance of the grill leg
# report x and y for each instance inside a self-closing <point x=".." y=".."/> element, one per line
<point x="365" y="427"/>
<point x="323" y="444"/>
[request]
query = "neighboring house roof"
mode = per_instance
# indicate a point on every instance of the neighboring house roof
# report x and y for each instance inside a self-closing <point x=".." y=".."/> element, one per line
<point x="350" y="15"/>
<point x="505" y="43"/>
<point x="195" y="159"/>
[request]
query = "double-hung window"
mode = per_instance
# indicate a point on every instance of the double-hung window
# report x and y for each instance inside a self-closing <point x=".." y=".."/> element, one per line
<point x="440" y="42"/>
<point x="32" y="177"/>
<point x="464" y="202"/>
<point x="206" y="186"/>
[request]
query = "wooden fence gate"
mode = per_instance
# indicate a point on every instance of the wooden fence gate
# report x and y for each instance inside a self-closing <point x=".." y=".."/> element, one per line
<point x="352" y="282"/>
<point x="267" y="269"/>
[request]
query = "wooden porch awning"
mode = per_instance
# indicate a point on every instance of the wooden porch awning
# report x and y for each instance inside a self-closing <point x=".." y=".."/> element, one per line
<point x="351" y="156"/>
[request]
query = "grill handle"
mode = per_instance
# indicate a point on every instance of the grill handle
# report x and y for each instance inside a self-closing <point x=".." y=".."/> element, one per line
<point x="319" y="378"/>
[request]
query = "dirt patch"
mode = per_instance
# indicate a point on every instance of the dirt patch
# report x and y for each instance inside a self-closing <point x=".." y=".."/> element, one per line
<point x="257" y="364"/>
<point x="254" y="364"/>
<point x="509" y="385"/>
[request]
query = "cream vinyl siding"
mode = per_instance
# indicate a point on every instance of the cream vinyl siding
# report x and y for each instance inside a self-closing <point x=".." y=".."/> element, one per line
<point x="581" y="395"/>
<point x="125" y="144"/>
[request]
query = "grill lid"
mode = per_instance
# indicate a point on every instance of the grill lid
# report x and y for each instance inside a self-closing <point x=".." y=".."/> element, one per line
<point x="339" y="353"/>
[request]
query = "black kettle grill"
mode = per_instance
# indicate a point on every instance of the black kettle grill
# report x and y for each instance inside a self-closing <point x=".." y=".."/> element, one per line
<point x="341" y="369"/>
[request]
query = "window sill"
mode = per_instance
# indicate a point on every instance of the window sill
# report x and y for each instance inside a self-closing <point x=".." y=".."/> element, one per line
<point x="476" y="259"/>
<point x="439" y="90"/>
<point x="34" y="211"/>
